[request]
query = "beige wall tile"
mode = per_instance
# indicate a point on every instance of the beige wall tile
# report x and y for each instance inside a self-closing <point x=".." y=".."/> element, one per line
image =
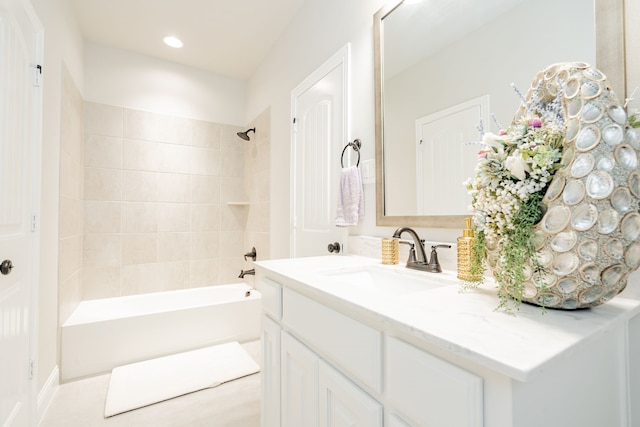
<point x="103" y="152"/>
<point x="140" y="125"/>
<point x="232" y="189"/>
<point x="103" y="119"/>
<point x="139" y="186"/>
<point x="140" y="279"/>
<point x="233" y="164"/>
<point x="102" y="217"/>
<point x="173" y="187"/>
<point x="230" y="269"/>
<point x="232" y="244"/>
<point x="71" y="176"/>
<point x="205" y="161"/>
<point x="233" y="218"/>
<point x="69" y="296"/>
<point x="176" y="130"/>
<point x="205" y="244"/>
<point x="173" y="217"/>
<point x="173" y="276"/>
<point x="258" y="217"/>
<point x="70" y="217"/>
<point x="174" y="158"/>
<point x="139" y="248"/>
<point x="174" y="247"/>
<point x="100" y="282"/>
<point x="140" y="155"/>
<point x="102" y="184"/>
<point x="205" y="217"/>
<point x="101" y="250"/>
<point x="229" y="137"/>
<point x="70" y="256"/>
<point x="139" y="217"/>
<point x="205" y="272"/>
<point x="206" y="134"/>
<point x="155" y="212"/>
<point x="205" y="189"/>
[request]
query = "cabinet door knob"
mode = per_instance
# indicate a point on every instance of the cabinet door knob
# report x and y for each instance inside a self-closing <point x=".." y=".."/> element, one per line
<point x="6" y="267"/>
<point x="334" y="247"/>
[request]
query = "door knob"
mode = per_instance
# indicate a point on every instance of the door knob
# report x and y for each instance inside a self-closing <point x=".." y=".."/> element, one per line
<point x="6" y="266"/>
<point x="334" y="247"/>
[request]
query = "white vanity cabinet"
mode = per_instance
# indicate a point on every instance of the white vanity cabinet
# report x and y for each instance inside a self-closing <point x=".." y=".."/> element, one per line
<point x="303" y="390"/>
<point x="439" y="358"/>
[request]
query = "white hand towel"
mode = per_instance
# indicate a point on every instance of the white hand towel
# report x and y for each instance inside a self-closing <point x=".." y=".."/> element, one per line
<point x="350" y="198"/>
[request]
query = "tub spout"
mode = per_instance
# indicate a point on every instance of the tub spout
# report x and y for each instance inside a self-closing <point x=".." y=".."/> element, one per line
<point x="245" y="272"/>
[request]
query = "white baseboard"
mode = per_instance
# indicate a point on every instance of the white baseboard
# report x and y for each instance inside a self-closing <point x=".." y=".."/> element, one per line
<point x="48" y="390"/>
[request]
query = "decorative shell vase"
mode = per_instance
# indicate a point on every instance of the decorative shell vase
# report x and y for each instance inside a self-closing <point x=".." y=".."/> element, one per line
<point x="587" y="239"/>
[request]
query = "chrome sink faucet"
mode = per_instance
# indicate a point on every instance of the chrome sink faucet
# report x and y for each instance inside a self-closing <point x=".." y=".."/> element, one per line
<point x="420" y="262"/>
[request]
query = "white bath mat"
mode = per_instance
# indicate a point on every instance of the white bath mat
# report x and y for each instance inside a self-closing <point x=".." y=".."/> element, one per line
<point x="144" y="383"/>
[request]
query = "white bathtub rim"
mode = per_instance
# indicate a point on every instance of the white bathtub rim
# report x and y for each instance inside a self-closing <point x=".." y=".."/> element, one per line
<point x="92" y="311"/>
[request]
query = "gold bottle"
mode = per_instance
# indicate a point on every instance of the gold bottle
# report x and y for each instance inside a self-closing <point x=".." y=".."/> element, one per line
<point x="465" y="249"/>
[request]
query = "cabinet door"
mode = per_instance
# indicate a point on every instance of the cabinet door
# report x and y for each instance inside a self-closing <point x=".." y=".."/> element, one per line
<point x="342" y="403"/>
<point x="270" y="373"/>
<point x="430" y="391"/>
<point x="299" y="384"/>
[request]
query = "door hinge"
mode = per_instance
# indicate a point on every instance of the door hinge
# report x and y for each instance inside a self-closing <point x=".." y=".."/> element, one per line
<point x="37" y="79"/>
<point x="295" y="125"/>
<point x="32" y="368"/>
<point x="34" y="222"/>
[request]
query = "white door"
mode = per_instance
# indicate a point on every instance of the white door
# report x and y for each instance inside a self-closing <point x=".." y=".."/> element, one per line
<point x="20" y="43"/>
<point x="446" y="156"/>
<point x="319" y="110"/>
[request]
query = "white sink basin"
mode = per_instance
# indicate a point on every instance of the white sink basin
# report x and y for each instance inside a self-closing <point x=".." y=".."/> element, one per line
<point x="382" y="281"/>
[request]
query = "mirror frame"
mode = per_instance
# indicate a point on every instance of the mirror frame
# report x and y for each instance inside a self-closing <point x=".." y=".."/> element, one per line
<point x="609" y="32"/>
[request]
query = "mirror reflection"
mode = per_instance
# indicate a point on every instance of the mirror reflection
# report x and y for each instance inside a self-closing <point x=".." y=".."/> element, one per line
<point x="444" y="67"/>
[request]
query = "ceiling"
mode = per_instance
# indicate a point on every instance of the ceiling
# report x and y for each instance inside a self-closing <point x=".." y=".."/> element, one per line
<point x="226" y="37"/>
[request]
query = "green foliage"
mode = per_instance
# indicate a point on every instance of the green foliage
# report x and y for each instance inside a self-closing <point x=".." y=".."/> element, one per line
<point x="516" y="249"/>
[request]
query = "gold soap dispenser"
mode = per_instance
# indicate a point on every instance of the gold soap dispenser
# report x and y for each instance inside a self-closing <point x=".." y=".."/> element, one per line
<point x="465" y="250"/>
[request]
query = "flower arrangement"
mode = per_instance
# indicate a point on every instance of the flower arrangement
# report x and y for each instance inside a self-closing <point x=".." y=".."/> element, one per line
<point x="513" y="172"/>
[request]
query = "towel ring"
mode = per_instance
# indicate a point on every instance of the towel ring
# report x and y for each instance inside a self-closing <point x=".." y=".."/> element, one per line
<point x="356" y="144"/>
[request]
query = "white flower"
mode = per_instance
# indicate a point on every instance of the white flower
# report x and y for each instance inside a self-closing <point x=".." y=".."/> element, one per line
<point x="517" y="165"/>
<point x="495" y="141"/>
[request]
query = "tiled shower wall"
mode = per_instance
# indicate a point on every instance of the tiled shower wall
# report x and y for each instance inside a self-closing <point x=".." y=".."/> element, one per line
<point x="156" y="193"/>
<point x="70" y="198"/>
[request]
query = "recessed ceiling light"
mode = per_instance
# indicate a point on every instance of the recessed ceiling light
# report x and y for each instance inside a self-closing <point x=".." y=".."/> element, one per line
<point x="172" y="41"/>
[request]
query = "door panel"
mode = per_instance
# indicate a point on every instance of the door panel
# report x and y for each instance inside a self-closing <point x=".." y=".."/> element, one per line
<point x="320" y="133"/>
<point x="19" y="36"/>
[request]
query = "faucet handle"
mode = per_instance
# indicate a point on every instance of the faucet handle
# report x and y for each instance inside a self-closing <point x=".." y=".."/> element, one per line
<point x="434" y="265"/>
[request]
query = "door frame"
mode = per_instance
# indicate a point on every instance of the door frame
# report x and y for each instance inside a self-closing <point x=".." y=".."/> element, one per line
<point x="341" y="57"/>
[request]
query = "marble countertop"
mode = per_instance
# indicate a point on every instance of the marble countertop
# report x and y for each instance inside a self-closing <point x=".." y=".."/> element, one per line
<point x="520" y="346"/>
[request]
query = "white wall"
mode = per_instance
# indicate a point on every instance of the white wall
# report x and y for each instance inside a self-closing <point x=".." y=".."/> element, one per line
<point x="125" y="79"/>
<point x="319" y="30"/>
<point x="62" y="45"/>
<point x="492" y="57"/>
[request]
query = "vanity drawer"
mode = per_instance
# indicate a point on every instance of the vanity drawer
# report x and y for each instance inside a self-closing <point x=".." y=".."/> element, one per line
<point x="429" y="390"/>
<point x="271" y="298"/>
<point x="351" y="345"/>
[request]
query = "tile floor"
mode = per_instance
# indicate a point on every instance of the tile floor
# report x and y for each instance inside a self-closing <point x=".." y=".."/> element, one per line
<point x="234" y="404"/>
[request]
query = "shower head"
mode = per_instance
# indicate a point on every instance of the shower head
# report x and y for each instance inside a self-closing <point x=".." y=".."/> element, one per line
<point x="245" y="135"/>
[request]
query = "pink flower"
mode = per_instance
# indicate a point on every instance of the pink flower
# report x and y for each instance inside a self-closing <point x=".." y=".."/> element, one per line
<point x="536" y="123"/>
<point x="502" y="132"/>
<point x="482" y="154"/>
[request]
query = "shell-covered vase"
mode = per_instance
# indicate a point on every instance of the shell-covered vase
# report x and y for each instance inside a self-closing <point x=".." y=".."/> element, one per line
<point x="587" y="240"/>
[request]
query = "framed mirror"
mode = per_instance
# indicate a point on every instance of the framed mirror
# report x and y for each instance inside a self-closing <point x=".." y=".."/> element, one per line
<point x="442" y="68"/>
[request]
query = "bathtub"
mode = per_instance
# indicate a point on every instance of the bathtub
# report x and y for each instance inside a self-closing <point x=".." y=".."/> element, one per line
<point x="105" y="333"/>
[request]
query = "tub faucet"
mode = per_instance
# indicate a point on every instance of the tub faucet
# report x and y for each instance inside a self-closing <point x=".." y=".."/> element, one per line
<point x="245" y="272"/>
